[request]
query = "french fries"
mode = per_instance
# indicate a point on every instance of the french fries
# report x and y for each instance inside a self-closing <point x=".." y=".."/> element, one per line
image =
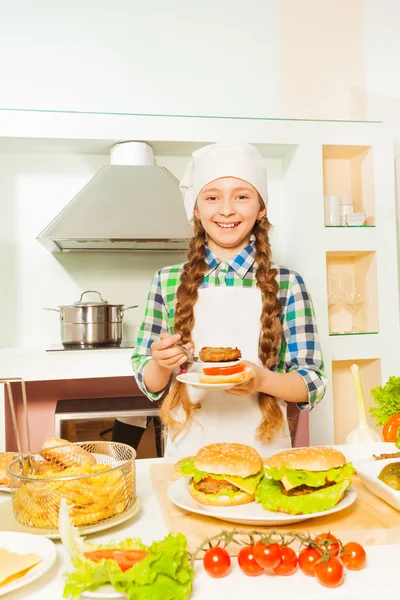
<point x="97" y="492"/>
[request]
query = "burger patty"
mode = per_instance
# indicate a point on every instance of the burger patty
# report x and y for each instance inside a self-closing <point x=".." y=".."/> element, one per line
<point x="213" y="354"/>
<point x="301" y="490"/>
<point x="213" y="486"/>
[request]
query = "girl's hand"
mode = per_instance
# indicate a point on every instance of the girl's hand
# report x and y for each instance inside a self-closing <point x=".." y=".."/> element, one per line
<point x="245" y="389"/>
<point x="166" y="355"/>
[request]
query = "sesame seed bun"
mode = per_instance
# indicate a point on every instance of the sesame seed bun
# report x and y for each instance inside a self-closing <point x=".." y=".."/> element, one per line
<point x="228" y="459"/>
<point x="315" y="458"/>
<point x="222" y="500"/>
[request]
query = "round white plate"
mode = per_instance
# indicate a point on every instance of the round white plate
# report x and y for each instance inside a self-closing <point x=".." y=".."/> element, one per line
<point x="26" y="543"/>
<point x="246" y="514"/>
<point x="104" y="592"/>
<point x="193" y="380"/>
<point x="7" y="522"/>
<point x="5" y="489"/>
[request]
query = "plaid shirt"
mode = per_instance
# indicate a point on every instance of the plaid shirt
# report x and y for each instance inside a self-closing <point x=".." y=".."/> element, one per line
<point x="299" y="350"/>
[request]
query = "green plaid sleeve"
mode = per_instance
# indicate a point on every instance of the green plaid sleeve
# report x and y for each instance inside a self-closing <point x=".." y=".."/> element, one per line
<point x="301" y="350"/>
<point x="155" y="323"/>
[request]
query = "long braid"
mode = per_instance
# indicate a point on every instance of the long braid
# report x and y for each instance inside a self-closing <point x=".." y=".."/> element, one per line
<point x="187" y="294"/>
<point x="272" y="422"/>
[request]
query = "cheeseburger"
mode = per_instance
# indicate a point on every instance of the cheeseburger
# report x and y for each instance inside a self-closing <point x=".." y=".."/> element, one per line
<point x="304" y="480"/>
<point x="223" y="474"/>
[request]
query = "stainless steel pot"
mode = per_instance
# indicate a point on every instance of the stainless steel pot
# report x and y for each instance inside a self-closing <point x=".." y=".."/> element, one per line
<point x="91" y="324"/>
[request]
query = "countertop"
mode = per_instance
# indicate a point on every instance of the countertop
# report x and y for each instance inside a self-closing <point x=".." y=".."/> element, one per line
<point x="378" y="579"/>
<point x="35" y="364"/>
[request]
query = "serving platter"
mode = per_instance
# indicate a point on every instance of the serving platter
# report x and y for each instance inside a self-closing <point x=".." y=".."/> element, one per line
<point x="246" y="514"/>
<point x="368" y="471"/>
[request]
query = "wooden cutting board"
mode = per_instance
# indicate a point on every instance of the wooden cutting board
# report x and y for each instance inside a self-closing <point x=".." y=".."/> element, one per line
<point x="369" y="520"/>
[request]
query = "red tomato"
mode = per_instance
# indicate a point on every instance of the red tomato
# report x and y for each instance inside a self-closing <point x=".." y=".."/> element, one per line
<point x="124" y="558"/>
<point x="330" y="573"/>
<point x="267" y="556"/>
<point x="288" y="564"/>
<point x="333" y="548"/>
<point x="355" y="556"/>
<point x="217" y="562"/>
<point x="224" y="370"/>
<point x="307" y="559"/>
<point x="390" y="428"/>
<point x="248" y="563"/>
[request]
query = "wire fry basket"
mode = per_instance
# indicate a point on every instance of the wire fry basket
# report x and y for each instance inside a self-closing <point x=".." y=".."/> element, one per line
<point x="98" y="480"/>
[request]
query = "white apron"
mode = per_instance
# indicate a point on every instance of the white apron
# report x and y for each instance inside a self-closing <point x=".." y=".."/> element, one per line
<point x="228" y="317"/>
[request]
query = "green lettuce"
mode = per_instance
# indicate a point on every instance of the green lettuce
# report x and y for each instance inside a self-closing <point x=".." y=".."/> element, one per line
<point x="164" y="574"/>
<point x="310" y="478"/>
<point x="269" y="494"/>
<point x="388" y="400"/>
<point x="189" y="470"/>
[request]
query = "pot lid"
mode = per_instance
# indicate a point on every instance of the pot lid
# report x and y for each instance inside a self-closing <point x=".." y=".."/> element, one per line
<point x="92" y="302"/>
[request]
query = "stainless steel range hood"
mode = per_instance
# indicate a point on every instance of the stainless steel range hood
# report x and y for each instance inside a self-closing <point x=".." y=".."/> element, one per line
<point x="130" y="205"/>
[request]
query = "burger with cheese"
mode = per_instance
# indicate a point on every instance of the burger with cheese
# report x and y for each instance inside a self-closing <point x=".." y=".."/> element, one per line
<point x="223" y="474"/>
<point x="304" y="480"/>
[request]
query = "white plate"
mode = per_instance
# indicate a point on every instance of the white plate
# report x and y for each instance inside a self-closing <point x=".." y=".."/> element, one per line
<point x="368" y="472"/>
<point x="246" y="514"/>
<point x="193" y="380"/>
<point x="104" y="592"/>
<point x="364" y="451"/>
<point x="8" y="522"/>
<point x="25" y="543"/>
<point x="5" y="489"/>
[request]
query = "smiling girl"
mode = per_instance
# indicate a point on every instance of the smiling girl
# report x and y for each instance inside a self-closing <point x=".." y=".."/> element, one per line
<point x="229" y="294"/>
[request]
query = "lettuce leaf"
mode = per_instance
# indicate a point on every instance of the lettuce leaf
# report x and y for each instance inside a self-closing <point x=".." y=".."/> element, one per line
<point x="388" y="400"/>
<point x="189" y="470"/>
<point x="269" y="494"/>
<point x="165" y="573"/>
<point x="311" y="478"/>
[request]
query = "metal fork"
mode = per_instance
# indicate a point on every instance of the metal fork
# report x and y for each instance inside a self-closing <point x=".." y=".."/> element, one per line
<point x="190" y="356"/>
<point x="26" y="461"/>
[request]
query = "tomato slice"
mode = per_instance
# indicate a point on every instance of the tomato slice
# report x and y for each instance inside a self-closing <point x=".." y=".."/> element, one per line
<point x="124" y="558"/>
<point x="231" y="370"/>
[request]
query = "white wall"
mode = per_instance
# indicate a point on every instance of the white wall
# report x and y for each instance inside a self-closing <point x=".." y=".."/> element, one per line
<point x="33" y="189"/>
<point x="175" y="57"/>
<point x="382" y="60"/>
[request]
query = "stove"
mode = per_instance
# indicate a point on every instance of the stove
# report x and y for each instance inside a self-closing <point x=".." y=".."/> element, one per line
<point x="61" y="348"/>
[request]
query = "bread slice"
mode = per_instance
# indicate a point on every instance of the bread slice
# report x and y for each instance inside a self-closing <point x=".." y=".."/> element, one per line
<point x="237" y="378"/>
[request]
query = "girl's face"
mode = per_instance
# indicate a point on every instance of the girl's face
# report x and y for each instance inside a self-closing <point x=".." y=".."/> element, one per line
<point x="228" y="208"/>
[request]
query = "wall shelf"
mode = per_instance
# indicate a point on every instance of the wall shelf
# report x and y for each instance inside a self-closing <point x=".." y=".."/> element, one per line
<point x="349" y="170"/>
<point x="344" y="400"/>
<point x="359" y="269"/>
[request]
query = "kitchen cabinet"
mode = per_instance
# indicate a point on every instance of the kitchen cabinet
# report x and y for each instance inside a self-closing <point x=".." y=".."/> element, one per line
<point x="305" y="160"/>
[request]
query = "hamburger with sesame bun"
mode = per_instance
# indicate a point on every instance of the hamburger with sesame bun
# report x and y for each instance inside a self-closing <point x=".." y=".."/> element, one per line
<point x="304" y="480"/>
<point x="223" y="474"/>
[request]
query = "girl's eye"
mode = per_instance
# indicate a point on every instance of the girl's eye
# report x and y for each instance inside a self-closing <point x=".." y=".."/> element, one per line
<point x="212" y="198"/>
<point x="242" y="197"/>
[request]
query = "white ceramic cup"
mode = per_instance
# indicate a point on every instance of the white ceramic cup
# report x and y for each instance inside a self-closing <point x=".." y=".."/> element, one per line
<point x="332" y="211"/>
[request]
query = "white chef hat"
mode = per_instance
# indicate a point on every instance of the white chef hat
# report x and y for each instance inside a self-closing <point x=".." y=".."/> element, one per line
<point x="240" y="160"/>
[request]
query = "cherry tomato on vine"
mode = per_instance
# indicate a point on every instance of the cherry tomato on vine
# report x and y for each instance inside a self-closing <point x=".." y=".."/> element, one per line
<point x="330" y="573"/>
<point x="217" y="562"/>
<point x="267" y="556"/>
<point x="248" y="563"/>
<point x="332" y="548"/>
<point x="307" y="559"/>
<point x="288" y="564"/>
<point x="355" y="556"/>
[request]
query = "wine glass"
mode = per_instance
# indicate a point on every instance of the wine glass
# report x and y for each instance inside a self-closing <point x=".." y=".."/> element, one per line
<point x="333" y="295"/>
<point x="352" y="297"/>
